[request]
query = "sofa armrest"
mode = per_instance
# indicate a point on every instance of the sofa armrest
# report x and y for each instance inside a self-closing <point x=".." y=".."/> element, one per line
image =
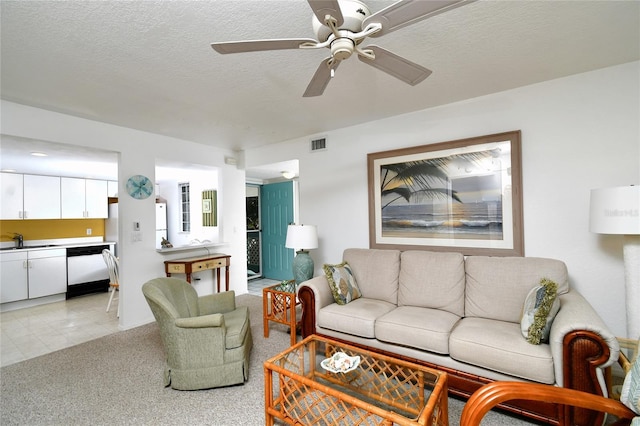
<point x="314" y="294"/>
<point x="582" y="346"/>
<point x="576" y="315"/>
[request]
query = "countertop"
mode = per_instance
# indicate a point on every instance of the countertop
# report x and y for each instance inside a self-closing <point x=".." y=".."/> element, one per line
<point x="33" y="245"/>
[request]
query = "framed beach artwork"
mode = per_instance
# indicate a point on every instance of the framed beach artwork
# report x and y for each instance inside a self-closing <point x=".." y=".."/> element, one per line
<point x="463" y="195"/>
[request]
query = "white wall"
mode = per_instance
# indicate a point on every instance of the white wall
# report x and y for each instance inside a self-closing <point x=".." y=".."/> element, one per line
<point x="199" y="181"/>
<point x="139" y="260"/>
<point x="578" y="133"/>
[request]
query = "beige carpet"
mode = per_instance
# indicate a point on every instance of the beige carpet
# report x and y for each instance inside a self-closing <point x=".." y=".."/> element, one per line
<point x="117" y="380"/>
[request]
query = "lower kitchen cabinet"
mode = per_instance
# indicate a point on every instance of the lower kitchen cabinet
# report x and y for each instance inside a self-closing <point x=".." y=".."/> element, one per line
<point x="13" y="277"/>
<point x="29" y="274"/>
<point x="47" y="272"/>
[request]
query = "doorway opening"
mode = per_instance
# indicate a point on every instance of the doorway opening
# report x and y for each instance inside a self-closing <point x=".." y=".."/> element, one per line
<point x="254" y="247"/>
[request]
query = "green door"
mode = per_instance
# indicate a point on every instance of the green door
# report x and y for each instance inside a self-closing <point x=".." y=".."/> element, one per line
<point x="276" y="213"/>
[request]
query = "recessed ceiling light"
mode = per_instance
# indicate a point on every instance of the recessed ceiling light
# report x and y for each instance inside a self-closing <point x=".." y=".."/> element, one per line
<point x="38" y="154"/>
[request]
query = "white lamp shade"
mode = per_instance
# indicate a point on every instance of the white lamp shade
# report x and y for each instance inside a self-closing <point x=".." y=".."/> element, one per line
<point x="615" y="210"/>
<point x="303" y="237"/>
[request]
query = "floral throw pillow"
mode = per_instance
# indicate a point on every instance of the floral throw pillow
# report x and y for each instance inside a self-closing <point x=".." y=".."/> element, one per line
<point x="540" y="308"/>
<point x="342" y="283"/>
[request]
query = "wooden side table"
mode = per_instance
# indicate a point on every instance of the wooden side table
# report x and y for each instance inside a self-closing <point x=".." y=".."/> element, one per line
<point x="279" y="305"/>
<point x="202" y="263"/>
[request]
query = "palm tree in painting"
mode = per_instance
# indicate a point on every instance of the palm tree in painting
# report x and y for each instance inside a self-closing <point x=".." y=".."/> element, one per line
<point x="421" y="178"/>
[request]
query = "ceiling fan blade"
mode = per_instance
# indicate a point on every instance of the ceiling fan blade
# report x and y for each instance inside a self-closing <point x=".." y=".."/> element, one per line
<point x="322" y="8"/>
<point x="399" y="67"/>
<point x="408" y="12"/>
<point x="321" y="78"/>
<point x="260" y="45"/>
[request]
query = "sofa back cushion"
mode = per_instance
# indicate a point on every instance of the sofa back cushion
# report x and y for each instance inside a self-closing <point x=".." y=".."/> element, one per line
<point x="432" y="280"/>
<point x="496" y="287"/>
<point x="376" y="272"/>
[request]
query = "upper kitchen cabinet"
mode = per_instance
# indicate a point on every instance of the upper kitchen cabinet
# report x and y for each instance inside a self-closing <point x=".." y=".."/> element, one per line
<point x="30" y="196"/>
<point x="84" y="198"/>
<point x="112" y="188"/>
<point x="41" y="197"/>
<point x="11" y="185"/>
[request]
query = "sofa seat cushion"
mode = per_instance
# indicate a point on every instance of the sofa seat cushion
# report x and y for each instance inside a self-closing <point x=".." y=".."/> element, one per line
<point x="420" y="328"/>
<point x="357" y="318"/>
<point x="499" y="346"/>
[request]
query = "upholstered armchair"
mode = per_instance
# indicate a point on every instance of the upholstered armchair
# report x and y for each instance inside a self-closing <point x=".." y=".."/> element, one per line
<point x="207" y="339"/>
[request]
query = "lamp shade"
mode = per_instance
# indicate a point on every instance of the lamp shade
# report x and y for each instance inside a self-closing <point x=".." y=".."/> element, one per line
<point x="615" y="210"/>
<point x="303" y="237"/>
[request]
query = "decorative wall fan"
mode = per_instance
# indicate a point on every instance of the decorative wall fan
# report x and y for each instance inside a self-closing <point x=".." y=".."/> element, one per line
<point x="342" y="25"/>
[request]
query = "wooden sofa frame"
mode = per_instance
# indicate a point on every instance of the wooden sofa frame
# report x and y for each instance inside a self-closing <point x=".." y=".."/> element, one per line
<point x="492" y="394"/>
<point x="583" y="352"/>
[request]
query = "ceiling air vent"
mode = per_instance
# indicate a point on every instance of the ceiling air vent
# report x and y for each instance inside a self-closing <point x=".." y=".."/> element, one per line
<point x="319" y="144"/>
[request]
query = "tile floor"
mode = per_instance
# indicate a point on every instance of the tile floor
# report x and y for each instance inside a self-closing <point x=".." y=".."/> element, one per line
<point x="257" y="284"/>
<point x="31" y="332"/>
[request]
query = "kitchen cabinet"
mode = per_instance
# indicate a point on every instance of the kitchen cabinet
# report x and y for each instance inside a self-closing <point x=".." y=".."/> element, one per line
<point x="84" y="198"/>
<point x="30" y="196"/>
<point x="11" y="188"/>
<point x="47" y="272"/>
<point x="41" y="197"/>
<point x="29" y="274"/>
<point x="13" y="276"/>
<point x="112" y="188"/>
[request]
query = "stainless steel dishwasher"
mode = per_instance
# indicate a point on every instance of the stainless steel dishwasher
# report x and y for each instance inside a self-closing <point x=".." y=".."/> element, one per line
<point x="86" y="270"/>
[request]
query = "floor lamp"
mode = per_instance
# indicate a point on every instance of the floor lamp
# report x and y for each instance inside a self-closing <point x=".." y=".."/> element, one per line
<point x="616" y="211"/>
<point x="303" y="237"/>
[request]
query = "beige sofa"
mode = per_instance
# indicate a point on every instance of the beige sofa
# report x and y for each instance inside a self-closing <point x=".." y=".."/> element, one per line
<point x="462" y="315"/>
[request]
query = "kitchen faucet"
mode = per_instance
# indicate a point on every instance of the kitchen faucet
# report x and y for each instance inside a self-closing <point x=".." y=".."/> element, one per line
<point x="19" y="240"/>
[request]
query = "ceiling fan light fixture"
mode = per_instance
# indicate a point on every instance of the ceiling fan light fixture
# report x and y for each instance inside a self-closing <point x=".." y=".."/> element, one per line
<point x="342" y="48"/>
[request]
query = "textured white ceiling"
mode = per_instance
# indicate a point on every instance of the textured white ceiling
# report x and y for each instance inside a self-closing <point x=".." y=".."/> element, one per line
<point x="148" y="65"/>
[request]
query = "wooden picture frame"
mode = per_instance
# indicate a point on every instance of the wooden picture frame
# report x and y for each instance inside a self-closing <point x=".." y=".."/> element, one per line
<point x="463" y="195"/>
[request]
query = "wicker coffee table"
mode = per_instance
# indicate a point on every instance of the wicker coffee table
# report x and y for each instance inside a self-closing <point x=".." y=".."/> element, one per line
<point x="380" y="390"/>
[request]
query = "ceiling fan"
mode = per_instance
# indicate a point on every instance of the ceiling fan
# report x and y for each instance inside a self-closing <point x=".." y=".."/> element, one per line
<point x="342" y="25"/>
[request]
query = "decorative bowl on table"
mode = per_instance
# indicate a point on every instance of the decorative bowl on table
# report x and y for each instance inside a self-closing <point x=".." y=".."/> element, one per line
<point x="340" y="363"/>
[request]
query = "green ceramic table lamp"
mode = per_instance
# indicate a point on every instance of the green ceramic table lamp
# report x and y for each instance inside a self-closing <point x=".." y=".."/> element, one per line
<point x="303" y="238"/>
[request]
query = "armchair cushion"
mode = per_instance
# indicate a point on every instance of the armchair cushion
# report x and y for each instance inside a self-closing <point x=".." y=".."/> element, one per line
<point x="217" y="303"/>
<point x="237" y="324"/>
